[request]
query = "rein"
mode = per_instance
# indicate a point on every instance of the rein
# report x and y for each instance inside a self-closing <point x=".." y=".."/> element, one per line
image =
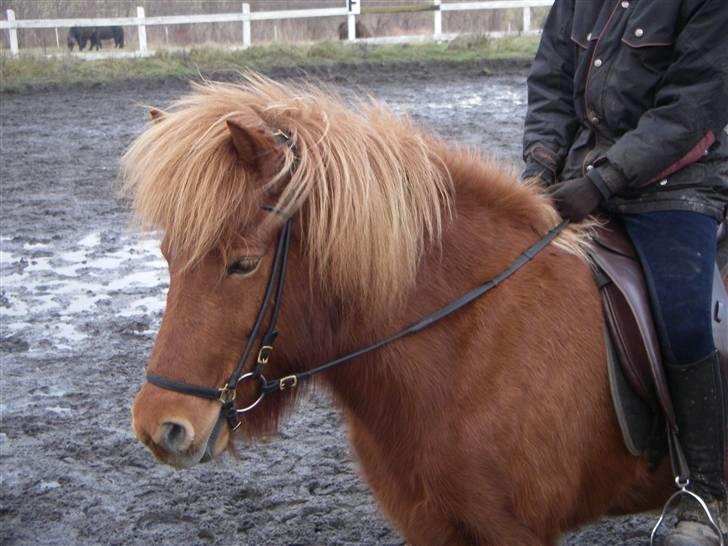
<point x="290" y="381"/>
<point x="227" y="393"/>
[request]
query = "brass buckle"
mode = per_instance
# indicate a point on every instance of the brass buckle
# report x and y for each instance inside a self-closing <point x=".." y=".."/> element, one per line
<point x="227" y="395"/>
<point x="287" y="382"/>
<point x="281" y="134"/>
<point x="264" y="354"/>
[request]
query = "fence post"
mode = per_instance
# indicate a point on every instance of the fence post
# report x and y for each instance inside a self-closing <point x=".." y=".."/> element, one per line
<point x="438" y="18"/>
<point x="526" y="19"/>
<point x="142" y="30"/>
<point x="354" y="10"/>
<point x="246" y="25"/>
<point x="13" y="32"/>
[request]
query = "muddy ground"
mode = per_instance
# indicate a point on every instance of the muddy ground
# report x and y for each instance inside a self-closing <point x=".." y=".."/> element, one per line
<point x="82" y="296"/>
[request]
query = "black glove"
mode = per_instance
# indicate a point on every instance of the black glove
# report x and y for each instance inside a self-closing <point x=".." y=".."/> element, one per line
<point x="575" y="199"/>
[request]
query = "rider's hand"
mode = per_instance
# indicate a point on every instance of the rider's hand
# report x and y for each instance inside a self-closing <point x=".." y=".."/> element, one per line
<point x="576" y="198"/>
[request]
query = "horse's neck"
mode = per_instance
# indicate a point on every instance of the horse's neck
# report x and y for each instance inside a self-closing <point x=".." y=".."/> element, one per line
<point x="399" y="386"/>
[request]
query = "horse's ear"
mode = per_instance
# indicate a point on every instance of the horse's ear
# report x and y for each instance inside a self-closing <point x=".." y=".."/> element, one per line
<point x="251" y="144"/>
<point x="156" y="115"/>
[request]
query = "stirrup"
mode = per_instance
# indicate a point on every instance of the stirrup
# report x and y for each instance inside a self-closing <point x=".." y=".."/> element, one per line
<point x="683" y="490"/>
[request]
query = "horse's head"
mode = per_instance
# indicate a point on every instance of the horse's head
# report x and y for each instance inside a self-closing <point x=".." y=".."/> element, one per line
<point x="211" y="308"/>
<point x="220" y="175"/>
<point x="217" y="283"/>
<point x="71" y="38"/>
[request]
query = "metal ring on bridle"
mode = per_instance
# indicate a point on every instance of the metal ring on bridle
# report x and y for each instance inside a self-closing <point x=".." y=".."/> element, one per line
<point x="250" y="375"/>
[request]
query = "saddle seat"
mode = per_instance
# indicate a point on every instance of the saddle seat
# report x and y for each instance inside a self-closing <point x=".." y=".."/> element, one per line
<point x="638" y="384"/>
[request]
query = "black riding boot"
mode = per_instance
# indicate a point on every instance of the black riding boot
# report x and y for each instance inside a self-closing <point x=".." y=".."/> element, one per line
<point x="699" y="398"/>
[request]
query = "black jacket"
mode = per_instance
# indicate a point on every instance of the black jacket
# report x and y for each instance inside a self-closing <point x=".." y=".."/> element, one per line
<point x="633" y="94"/>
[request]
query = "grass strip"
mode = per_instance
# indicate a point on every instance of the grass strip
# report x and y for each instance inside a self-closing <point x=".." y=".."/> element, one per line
<point x="33" y="69"/>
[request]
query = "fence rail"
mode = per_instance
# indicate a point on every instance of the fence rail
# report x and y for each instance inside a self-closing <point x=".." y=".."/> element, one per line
<point x="350" y="10"/>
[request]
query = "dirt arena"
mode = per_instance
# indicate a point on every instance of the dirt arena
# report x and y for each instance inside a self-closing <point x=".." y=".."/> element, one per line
<point x="82" y="295"/>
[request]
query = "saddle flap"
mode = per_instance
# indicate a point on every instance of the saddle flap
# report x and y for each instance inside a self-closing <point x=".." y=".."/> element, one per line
<point x="628" y="343"/>
<point x="629" y="316"/>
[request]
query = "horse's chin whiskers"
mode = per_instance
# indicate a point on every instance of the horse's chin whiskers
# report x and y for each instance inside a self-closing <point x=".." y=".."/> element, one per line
<point x="191" y="458"/>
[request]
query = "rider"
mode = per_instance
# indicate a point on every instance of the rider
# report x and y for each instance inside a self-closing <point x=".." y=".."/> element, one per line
<point x="627" y="111"/>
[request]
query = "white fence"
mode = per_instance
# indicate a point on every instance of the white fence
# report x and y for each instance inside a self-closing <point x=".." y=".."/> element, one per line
<point x="350" y="10"/>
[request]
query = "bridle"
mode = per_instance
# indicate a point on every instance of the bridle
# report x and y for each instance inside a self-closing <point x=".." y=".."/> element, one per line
<point x="276" y="281"/>
<point x="227" y="393"/>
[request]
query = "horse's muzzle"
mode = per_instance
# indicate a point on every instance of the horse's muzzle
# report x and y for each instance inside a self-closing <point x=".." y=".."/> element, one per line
<point x="182" y="437"/>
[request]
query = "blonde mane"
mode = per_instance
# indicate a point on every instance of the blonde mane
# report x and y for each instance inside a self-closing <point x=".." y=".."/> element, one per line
<point x="373" y="189"/>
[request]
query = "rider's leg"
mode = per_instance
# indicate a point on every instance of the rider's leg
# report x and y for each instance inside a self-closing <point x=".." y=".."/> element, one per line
<point x="677" y="250"/>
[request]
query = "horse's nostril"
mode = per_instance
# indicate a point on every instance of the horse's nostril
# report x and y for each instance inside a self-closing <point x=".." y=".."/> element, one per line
<point x="174" y="436"/>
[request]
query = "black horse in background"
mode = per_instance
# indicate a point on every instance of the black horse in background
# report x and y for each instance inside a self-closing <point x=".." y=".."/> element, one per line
<point x="109" y="33"/>
<point x="80" y="36"/>
<point x="360" y="30"/>
<point x="84" y="35"/>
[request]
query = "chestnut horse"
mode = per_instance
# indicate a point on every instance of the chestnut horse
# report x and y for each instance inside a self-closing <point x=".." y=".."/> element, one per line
<point x="493" y="426"/>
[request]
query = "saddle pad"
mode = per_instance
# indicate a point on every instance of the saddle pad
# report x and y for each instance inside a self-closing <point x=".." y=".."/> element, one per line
<point x="636" y="419"/>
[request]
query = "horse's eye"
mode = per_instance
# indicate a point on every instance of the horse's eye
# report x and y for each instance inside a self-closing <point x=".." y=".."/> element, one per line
<point x="243" y="266"/>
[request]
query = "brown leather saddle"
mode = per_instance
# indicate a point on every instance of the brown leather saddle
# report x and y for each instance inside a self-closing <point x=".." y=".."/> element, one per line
<point x="637" y="380"/>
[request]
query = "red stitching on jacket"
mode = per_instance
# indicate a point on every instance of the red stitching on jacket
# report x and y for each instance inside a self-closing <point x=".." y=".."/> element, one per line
<point x="695" y="153"/>
<point x="646" y="44"/>
<point x="591" y="62"/>
<point x="577" y="42"/>
<point x="606" y="25"/>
